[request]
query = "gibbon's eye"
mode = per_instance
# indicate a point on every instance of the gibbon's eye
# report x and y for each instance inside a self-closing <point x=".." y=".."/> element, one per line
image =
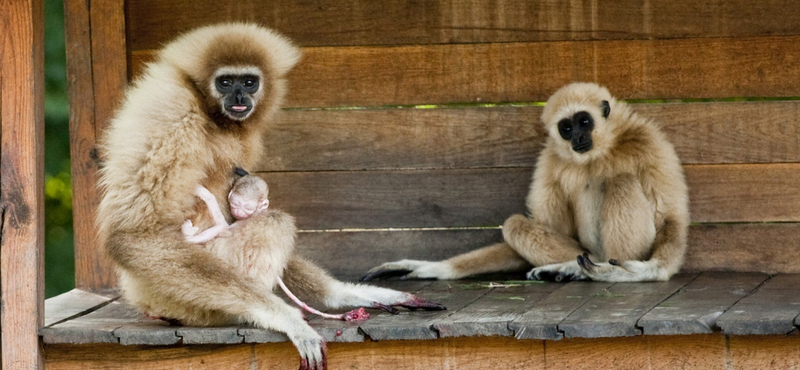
<point x="565" y="129"/>
<point x="249" y="83"/>
<point x="224" y="83"/>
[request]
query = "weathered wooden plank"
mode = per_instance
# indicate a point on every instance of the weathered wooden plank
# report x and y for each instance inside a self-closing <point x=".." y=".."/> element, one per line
<point x="768" y="248"/>
<point x="418" y="325"/>
<point x="491" y="313"/>
<point x="152" y="23"/>
<point x="72" y="303"/>
<point x="474" y="137"/>
<point x="735" y="193"/>
<point x="731" y="247"/>
<point x="696" y="307"/>
<point x="513" y="72"/>
<point x="92" y="270"/>
<point x="428" y="198"/>
<point x="614" y="312"/>
<point x="259" y="335"/>
<point x="486" y="197"/>
<point x="772" y="309"/>
<point x="21" y="183"/>
<point x="337" y="251"/>
<point x="147" y="332"/>
<point x="95" y="327"/>
<point x="199" y="335"/>
<point x="541" y="321"/>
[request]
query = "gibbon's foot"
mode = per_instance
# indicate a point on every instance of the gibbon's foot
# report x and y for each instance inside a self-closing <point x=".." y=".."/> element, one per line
<point x="311" y="359"/>
<point x="557" y="272"/>
<point x="622" y="271"/>
<point x="413" y="304"/>
<point x="411" y="269"/>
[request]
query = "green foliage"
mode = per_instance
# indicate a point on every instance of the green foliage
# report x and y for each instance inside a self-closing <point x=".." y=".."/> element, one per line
<point x="59" y="257"/>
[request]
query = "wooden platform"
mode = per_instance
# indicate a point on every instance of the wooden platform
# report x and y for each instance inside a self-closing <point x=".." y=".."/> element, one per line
<point x="711" y="302"/>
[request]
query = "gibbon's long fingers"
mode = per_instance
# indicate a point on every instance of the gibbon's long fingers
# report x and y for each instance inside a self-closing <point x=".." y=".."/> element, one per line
<point x="558" y="272"/>
<point x="315" y="362"/>
<point x="416" y="303"/>
<point x="383" y="273"/>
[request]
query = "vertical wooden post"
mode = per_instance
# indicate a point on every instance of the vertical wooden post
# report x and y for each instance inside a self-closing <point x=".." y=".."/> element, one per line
<point x="22" y="182"/>
<point x="97" y="72"/>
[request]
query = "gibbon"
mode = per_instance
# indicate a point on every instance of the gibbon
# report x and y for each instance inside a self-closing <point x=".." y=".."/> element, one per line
<point x="247" y="198"/>
<point x="199" y="110"/>
<point x="608" y="187"/>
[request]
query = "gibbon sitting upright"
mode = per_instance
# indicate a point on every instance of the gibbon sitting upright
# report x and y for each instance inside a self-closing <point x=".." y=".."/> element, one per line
<point x="608" y="187"/>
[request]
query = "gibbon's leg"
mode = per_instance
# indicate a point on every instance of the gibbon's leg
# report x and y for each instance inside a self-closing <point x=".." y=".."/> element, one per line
<point x="494" y="258"/>
<point x="545" y="248"/>
<point x="628" y="229"/>
<point x="196" y="288"/>
<point x="311" y="281"/>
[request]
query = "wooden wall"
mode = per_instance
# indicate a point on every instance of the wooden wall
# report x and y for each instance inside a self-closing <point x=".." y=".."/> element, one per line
<point x="21" y="183"/>
<point x="446" y="133"/>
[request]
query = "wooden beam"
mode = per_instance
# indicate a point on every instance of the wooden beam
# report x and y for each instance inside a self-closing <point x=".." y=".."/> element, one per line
<point x="711" y="351"/>
<point x="369" y="22"/>
<point x="97" y="75"/>
<point x="22" y="183"/>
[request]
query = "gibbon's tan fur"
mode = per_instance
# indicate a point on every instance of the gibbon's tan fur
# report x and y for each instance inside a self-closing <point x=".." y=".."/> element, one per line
<point x="172" y="135"/>
<point x="625" y="201"/>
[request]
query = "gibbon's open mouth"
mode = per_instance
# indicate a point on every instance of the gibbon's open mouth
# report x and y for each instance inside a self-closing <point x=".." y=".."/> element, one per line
<point x="582" y="148"/>
<point x="237" y="110"/>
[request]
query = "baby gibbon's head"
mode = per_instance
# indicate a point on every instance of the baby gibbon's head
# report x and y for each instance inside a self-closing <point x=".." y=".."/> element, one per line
<point x="576" y="118"/>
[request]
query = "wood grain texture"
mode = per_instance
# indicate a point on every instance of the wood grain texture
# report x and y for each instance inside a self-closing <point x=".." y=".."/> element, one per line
<point x="427" y="198"/>
<point x="643" y="352"/>
<point x="736" y="193"/>
<point x="95" y="327"/>
<point x="486" y="197"/>
<point x="21" y="183"/>
<point x="614" y="312"/>
<point x="772" y="309"/>
<point x="764" y="352"/>
<point x="71" y="304"/>
<point x="477" y="137"/>
<point x="696" y="307"/>
<point x="713" y="351"/>
<point x="530" y="72"/>
<point x="152" y="23"/>
<point x="92" y="270"/>
<point x="541" y="321"/>
<point x="460" y="353"/>
<point x="769" y="248"/>
<point x="419" y="325"/>
<point x="491" y="314"/>
<point x="754" y="247"/>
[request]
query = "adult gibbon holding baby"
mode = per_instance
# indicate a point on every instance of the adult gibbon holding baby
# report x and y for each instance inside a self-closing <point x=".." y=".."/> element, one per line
<point x="200" y="110"/>
<point x="608" y="187"/>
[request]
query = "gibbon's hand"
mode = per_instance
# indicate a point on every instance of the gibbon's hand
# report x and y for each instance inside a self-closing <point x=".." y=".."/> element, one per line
<point x="410" y="269"/>
<point x="558" y="272"/>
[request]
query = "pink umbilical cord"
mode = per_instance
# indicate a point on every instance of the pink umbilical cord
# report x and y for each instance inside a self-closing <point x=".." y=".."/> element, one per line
<point x="354" y="315"/>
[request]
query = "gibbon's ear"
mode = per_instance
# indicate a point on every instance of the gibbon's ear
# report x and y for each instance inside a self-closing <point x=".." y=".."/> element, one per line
<point x="240" y="171"/>
<point x="605" y="108"/>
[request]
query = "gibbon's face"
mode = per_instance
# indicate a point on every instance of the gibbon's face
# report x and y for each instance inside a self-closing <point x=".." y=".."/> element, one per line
<point x="237" y="91"/>
<point x="578" y="128"/>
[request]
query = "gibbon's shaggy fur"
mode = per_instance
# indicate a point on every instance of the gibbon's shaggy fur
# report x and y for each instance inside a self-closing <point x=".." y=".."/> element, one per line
<point x="610" y="188"/>
<point x="181" y="126"/>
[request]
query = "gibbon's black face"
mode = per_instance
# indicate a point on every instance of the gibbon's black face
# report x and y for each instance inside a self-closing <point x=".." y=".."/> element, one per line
<point x="578" y="128"/>
<point x="237" y="94"/>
